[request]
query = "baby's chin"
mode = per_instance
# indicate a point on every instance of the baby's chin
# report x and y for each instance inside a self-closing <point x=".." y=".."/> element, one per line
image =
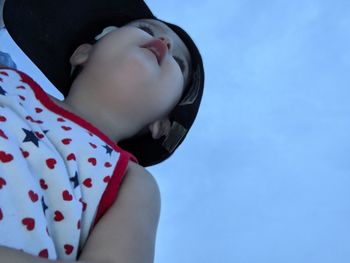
<point x="141" y="65"/>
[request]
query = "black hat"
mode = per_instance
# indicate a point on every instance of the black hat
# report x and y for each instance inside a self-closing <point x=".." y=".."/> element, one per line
<point x="49" y="31"/>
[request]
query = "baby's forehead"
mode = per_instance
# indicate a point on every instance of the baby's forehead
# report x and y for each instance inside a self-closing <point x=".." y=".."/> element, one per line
<point x="153" y="22"/>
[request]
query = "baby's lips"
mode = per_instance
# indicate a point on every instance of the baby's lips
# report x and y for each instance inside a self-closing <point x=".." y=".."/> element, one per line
<point x="158" y="47"/>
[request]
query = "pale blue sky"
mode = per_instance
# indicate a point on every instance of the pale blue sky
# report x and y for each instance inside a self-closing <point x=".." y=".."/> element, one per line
<point x="264" y="174"/>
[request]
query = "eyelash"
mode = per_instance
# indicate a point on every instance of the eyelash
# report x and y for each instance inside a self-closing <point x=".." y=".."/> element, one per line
<point x="148" y="30"/>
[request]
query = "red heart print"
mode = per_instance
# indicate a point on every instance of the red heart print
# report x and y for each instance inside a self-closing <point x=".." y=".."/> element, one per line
<point x="43" y="184"/>
<point x="71" y="157"/>
<point x="39" y="135"/>
<point x="66" y="128"/>
<point x="29" y="223"/>
<point x="30" y="118"/>
<point x="87" y="182"/>
<point x="44" y="253"/>
<point x="1" y="216"/>
<point x="68" y="248"/>
<point x="2" y="134"/>
<point x="5" y="158"/>
<point x="92" y="161"/>
<point x="61" y="119"/>
<point x="106" y="179"/>
<point x="38" y="110"/>
<point x="3" y="118"/>
<point x="66" y="141"/>
<point x="4" y="73"/>
<point x="58" y="216"/>
<point x="25" y="153"/>
<point x="84" y="204"/>
<point x="93" y="145"/>
<point x="67" y="196"/>
<point x="51" y="163"/>
<point x="2" y="182"/>
<point x="33" y="196"/>
<point x="107" y="164"/>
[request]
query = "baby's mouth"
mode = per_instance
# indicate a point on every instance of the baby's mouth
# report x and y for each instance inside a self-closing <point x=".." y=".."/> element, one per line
<point x="158" y="48"/>
<point x="154" y="53"/>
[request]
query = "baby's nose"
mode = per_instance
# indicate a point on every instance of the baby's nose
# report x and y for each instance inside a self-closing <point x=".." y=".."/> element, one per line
<point x="167" y="42"/>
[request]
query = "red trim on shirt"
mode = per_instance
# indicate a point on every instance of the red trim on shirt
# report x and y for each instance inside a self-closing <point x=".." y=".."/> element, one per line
<point x="110" y="194"/>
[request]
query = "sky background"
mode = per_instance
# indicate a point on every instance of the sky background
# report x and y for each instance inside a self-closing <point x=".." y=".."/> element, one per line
<point x="264" y="174"/>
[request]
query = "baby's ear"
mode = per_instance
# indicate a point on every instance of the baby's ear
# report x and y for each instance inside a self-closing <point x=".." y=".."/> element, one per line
<point x="160" y="128"/>
<point x="81" y="54"/>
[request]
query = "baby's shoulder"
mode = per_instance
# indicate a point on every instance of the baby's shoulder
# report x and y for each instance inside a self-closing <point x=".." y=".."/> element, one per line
<point x="139" y="175"/>
<point x="135" y="168"/>
<point x="132" y="219"/>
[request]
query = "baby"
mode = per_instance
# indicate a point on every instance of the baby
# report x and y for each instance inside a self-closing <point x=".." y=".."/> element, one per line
<point x="61" y="169"/>
<point x="139" y="99"/>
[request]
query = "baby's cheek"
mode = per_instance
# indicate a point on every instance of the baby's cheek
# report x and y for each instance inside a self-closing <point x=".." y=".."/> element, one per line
<point x="177" y="86"/>
<point x="172" y="95"/>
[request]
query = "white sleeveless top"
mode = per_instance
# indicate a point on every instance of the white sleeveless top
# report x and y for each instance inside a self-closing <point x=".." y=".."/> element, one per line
<point x="58" y="173"/>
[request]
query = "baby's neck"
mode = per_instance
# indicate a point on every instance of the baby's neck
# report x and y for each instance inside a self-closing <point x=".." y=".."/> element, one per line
<point x="100" y="125"/>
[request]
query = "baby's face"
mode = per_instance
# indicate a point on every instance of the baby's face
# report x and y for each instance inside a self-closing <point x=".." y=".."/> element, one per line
<point x="178" y="50"/>
<point x="129" y="78"/>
